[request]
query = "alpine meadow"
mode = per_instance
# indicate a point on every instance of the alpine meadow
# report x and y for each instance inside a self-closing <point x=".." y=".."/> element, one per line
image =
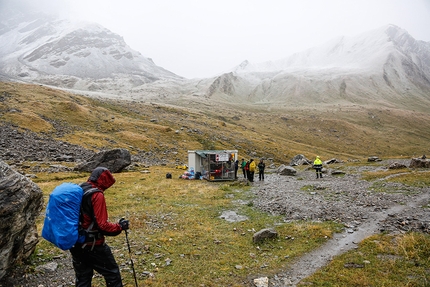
<point x="70" y="90"/>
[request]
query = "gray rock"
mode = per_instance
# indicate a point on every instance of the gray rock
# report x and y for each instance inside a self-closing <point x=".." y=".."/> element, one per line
<point x="396" y="165"/>
<point x="419" y="163"/>
<point x="373" y="159"/>
<point x="20" y="145"/>
<point x="286" y="170"/>
<point x="338" y="172"/>
<point x="115" y="160"/>
<point x="261" y="282"/>
<point x="21" y="201"/>
<point x="48" y="267"/>
<point x="262" y="235"/>
<point x="300" y="160"/>
<point x="232" y="216"/>
<point x="333" y="160"/>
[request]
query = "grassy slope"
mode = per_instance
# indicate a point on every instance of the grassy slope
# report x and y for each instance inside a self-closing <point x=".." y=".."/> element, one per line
<point x="344" y="133"/>
<point x="178" y="220"/>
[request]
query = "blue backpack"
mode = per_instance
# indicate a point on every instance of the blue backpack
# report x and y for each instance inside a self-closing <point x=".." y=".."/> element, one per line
<point x="61" y="225"/>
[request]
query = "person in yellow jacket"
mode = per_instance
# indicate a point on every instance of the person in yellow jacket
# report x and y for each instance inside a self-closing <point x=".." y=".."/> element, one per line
<point x="318" y="166"/>
<point x="252" y="168"/>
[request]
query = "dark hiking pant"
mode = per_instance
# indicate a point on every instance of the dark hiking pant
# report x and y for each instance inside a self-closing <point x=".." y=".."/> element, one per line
<point x="100" y="259"/>
<point x="261" y="175"/>
<point x="251" y="176"/>
<point x="244" y="173"/>
<point x="319" y="172"/>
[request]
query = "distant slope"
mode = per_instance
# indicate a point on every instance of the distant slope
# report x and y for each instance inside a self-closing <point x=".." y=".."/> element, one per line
<point x="164" y="133"/>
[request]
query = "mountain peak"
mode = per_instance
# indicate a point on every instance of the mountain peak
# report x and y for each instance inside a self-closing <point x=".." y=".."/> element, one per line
<point x="244" y="64"/>
<point x="41" y="48"/>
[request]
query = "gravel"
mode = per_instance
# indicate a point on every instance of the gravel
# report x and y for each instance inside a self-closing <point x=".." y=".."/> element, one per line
<point x="363" y="207"/>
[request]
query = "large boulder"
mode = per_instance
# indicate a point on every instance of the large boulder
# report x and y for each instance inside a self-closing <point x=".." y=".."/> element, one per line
<point x="333" y="160"/>
<point x="300" y="160"/>
<point x="115" y="160"/>
<point x="264" y="234"/>
<point x="396" y="165"/>
<point x="286" y="170"/>
<point x="420" y="163"/>
<point x="21" y="202"/>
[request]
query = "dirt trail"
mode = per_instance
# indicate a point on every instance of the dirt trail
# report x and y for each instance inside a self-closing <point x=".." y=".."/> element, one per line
<point x="363" y="207"/>
<point x="340" y="243"/>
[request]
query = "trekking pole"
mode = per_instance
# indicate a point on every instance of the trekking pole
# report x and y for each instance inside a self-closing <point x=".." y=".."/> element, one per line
<point x="131" y="259"/>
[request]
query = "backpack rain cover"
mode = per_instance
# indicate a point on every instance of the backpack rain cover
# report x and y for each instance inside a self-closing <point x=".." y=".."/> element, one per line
<point x="61" y="225"/>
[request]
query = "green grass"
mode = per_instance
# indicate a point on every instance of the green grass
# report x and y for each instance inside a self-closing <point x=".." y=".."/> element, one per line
<point x="178" y="222"/>
<point x="179" y="219"/>
<point x="397" y="181"/>
<point x="382" y="260"/>
<point x="346" y="134"/>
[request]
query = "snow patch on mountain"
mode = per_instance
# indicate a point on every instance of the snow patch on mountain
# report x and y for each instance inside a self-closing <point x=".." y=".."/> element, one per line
<point x="384" y="67"/>
<point x="39" y="47"/>
<point x="365" y="52"/>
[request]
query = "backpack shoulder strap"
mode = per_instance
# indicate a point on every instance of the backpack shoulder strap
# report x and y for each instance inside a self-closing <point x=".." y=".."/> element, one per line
<point x="87" y="206"/>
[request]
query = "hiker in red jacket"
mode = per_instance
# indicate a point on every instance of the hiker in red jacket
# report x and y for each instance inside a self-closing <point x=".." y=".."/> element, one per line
<point x="95" y="254"/>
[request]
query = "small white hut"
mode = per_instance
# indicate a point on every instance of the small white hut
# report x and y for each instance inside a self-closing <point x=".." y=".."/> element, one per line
<point x="213" y="165"/>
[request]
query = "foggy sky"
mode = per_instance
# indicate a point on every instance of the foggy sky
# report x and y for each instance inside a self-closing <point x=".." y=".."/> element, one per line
<point x="199" y="38"/>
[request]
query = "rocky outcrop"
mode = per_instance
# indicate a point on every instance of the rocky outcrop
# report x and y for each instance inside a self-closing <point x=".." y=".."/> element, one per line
<point x="21" y="201"/>
<point x="396" y="165"/>
<point x="286" y="170"/>
<point x="20" y="145"/>
<point x="332" y="161"/>
<point x="115" y="160"/>
<point x="300" y="160"/>
<point x="420" y="163"/>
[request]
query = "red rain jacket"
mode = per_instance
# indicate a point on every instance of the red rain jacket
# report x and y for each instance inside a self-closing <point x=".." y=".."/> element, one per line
<point x="101" y="178"/>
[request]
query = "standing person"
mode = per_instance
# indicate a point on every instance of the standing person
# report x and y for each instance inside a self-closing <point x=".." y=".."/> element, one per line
<point x="94" y="253"/>
<point x="236" y="167"/>
<point x="261" y="167"/>
<point x="318" y="166"/>
<point x="252" y="168"/>
<point x="242" y="165"/>
<point x="248" y="174"/>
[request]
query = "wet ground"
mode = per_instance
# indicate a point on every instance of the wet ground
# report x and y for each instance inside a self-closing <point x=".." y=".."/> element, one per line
<point x="365" y="208"/>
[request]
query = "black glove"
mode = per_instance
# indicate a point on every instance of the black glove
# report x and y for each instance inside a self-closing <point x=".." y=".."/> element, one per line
<point x="124" y="224"/>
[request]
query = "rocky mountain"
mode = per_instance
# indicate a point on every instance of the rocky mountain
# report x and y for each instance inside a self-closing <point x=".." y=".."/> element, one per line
<point x="385" y="67"/>
<point x="85" y="56"/>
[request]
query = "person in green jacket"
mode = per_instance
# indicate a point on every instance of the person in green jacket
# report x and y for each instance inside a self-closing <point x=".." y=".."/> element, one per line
<point x="318" y="166"/>
<point x="242" y="165"/>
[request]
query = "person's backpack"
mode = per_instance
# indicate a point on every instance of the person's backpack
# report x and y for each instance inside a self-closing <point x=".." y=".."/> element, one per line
<point x="61" y="225"/>
<point x="247" y="166"/>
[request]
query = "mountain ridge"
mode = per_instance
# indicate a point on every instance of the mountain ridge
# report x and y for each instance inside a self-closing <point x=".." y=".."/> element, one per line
<point x="42" y="48"/>
<point x="385" y="67"/>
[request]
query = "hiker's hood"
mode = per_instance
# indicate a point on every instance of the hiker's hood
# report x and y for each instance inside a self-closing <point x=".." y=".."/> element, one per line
<point x="102" y="178"/>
